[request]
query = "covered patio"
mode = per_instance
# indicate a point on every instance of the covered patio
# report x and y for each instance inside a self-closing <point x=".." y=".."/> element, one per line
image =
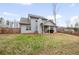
<point x="48" y="27"/>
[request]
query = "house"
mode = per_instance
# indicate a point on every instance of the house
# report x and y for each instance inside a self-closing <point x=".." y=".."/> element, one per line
<point x="65" y="29"/>
<point x="69" y="29"/>
<point x="36" y="24"/>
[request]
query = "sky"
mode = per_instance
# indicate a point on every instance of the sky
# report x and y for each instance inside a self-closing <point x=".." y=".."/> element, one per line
<point x="66" y="12"/>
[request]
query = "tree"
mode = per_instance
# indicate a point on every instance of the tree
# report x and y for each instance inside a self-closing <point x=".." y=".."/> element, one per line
<point x="1" y="22"/>
<point x="76" y="26"/>
<point x="71" y="26"/>
<point x="1" y="19"/>
<point x="54" y="11"/>
<point x="7" y="22"/>
<point x="11" y="24"/>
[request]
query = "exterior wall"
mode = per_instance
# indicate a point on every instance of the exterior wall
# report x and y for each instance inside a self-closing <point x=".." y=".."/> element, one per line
<point x="54" y="28"/>
<point x="34" y="26"/>
<point x="39" y="26"/>
<point x="23" y="29"/>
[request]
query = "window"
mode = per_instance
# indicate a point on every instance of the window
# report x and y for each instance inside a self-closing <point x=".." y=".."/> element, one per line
<point x="0" y="21"/>
<point x="28" y="27"/>
<point x="36" y="21"/>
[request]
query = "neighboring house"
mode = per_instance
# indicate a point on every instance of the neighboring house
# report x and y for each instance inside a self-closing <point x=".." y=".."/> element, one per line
<point x="69" y="29"/>
<point x="36" y="24"/>
<point x="65" y="29"/>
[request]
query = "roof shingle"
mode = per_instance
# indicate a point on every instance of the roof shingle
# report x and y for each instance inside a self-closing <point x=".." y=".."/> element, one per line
<point x="24" y="21"/>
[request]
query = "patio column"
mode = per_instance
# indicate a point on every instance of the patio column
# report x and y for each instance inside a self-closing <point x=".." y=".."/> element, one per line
<point x="43" y="28"/>
<point x="49" y="29"/>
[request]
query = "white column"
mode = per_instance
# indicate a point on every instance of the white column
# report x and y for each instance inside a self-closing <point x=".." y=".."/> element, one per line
<point x="43" y="28"/>
<point x="49" y="29"/>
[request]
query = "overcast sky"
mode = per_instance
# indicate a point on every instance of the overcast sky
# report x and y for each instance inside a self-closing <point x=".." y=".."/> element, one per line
<point x="65" y="12"/>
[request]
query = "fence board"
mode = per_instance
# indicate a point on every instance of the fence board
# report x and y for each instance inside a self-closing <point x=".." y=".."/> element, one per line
<point x="9" y="30"/>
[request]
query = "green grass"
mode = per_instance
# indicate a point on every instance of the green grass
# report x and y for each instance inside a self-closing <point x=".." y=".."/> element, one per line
<point x="38" y="44"/>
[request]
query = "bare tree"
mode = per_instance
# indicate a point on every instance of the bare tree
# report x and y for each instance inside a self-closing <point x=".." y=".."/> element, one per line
<point x="54" y="11"/>
<point x="7" y="22"/>
<point x="76" y="26"/>
<point x="1" y="19"/>
<point x="1" y="22"/>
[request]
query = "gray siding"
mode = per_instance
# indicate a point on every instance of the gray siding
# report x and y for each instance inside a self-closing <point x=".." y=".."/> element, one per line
<point x="23" y="29"/>
<point x="34" y="25"/>
<point x="39" y="26"/>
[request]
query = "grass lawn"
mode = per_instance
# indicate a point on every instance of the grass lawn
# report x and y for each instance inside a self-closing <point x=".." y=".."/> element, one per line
<point x="39" y="44"/>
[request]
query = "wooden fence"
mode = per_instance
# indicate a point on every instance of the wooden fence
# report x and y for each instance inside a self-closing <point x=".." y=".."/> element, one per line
<point x="71" y="33"/>
<point x="9" y="30"/>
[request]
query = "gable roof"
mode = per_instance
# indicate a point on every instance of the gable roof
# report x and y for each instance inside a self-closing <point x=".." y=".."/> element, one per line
<point x="24" y="21"/>
<point x="49" y="23"/>
<point x="36" y="17"/>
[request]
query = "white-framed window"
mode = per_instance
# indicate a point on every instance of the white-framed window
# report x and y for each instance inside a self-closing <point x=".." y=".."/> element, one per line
<point x="28" y="27"/>
<point x="0" y="21"/>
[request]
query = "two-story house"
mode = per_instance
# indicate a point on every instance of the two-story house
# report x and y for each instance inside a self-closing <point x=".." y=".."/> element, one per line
<point x="36" y="24"/>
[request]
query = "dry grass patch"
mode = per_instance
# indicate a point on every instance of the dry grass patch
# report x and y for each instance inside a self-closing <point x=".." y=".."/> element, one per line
<point x="57" y="43"/>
